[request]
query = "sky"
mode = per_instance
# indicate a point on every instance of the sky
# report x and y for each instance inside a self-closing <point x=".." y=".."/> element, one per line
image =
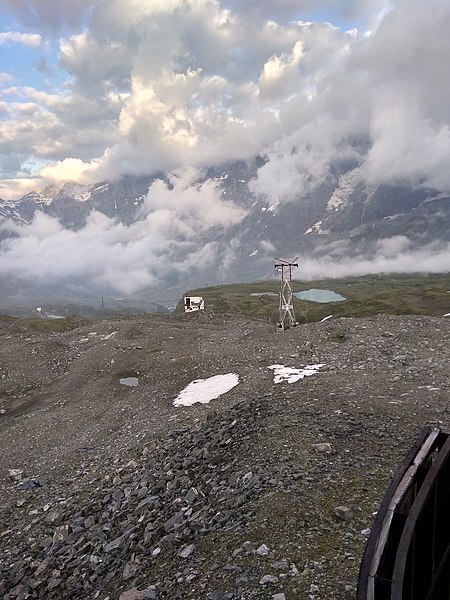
<point x="94" y="89"/>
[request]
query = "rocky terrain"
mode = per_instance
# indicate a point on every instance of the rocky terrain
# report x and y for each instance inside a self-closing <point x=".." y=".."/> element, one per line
<point x="268" y="492"/>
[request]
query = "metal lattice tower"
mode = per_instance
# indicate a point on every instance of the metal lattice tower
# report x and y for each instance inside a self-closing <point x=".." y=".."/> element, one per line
<point x="287" y="317"/>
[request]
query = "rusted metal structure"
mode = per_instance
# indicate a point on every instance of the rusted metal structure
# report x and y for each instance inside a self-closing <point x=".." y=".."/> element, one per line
<point x="286" y="307"/>
<point x="407" y="556"/>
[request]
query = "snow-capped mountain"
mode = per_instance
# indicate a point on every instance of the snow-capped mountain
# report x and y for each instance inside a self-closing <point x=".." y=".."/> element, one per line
<point x="72" y="203"/>
<point x="339" y="219"/>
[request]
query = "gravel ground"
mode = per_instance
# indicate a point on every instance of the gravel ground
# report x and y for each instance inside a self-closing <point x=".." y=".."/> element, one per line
<point x="266" y="492"/>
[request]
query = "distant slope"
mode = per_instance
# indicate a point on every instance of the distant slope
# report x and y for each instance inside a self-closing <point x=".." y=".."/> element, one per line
<point x="365" y="296"/>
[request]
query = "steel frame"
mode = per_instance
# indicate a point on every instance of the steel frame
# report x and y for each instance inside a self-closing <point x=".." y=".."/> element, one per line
<point x="286" y="317"/>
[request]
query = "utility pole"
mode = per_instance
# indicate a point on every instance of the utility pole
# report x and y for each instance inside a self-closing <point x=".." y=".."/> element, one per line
<point x="286" y="317"/>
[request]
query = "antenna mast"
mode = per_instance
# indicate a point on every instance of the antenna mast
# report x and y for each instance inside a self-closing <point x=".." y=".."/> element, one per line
<point x="286" y="317"/>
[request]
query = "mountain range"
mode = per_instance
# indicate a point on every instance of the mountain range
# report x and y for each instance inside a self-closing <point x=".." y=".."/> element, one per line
<point x="341" y="220"/>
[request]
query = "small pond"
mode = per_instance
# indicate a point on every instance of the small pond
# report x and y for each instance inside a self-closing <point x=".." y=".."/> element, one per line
<point x="315" y="295"/>
<point x="129" y="381"/>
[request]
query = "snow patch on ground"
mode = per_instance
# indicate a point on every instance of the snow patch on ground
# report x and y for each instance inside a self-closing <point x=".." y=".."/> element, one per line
<point x="259" y="294"/>
<point x="204" y="390"/>
<point x="282" y="373"/>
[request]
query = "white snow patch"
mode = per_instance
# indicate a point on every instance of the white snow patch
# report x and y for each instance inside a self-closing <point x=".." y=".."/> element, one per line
<point x="447" y="315"/>
<point x="45" y="195"/>
<point x="345" y="188"/>
<point x="259" y="294"/>
<point x="326" y="318"/>
<point x="317" y="228"/>
<point x="108" y="336"/>
<point x="82" y="197"/>
<point x="102" y="188"/>
<point x="204" y="390"/>
<point x="390" y="217"/>
<point x="80" y="193"/>
<point x="282" y="373"/>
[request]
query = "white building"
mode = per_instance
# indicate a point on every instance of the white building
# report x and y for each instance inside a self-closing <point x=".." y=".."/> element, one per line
<point x="193" y="303"/>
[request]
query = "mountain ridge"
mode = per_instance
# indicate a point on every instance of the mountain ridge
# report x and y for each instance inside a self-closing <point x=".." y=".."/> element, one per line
<point x="340" y="219"/>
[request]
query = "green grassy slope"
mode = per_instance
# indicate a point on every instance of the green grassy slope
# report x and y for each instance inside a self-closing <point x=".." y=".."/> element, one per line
<point x="374" y="294"/>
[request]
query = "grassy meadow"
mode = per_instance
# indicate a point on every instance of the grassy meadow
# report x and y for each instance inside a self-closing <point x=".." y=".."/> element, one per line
<point x="369" y="295"/>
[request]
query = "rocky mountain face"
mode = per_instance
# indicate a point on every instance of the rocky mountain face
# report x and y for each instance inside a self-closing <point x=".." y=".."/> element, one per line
<point x="72" y="203"/>
<point x="341" y="216"/>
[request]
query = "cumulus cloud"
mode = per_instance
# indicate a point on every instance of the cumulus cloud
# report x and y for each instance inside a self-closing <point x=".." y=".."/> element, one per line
<point x="69" y="170"/>
<point x="278" y="71"/>
<point x="156" y="85"/>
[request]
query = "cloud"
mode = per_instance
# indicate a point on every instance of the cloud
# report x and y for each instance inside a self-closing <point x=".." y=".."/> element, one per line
<point x="173" y="83"/>
<point x="392" y="247"/>
<point x="366" y="14"/>
<point x="152" y="86"/>
<point x="17" y="187"/>
<point x="278" y="71"/>
<point x="410" y="112"/>
<point x="175" y="86"/>
<point x="48" y="15"/>
<point x="14" y="37"/>
<point x="392" y="255"/>
<point x="376" y="100"/>
<point x="109" y="71"/>
<point x="297" y="163"/>
<point x="196" y="206"/>
<point x="69" y="170"/>
<point x="169" y="242"/>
